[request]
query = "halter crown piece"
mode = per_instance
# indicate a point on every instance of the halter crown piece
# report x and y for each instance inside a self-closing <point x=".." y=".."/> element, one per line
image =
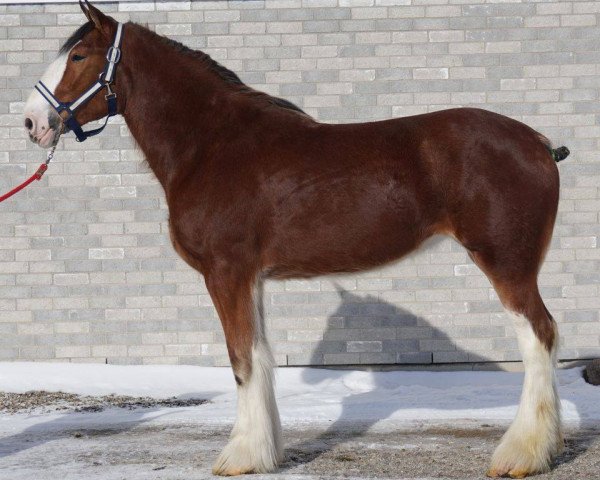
<point x="105" y="79"/>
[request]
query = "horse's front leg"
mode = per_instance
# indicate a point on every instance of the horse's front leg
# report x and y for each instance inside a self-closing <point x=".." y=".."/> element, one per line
<point x="255" y="444"/>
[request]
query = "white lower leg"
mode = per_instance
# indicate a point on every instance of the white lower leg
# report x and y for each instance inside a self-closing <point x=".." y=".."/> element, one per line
<point x="534" y="437"/>
<point x="255" y="445"/>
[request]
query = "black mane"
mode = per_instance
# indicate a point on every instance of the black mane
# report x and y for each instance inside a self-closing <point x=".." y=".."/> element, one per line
<point x="230" y="77"/>
<point x="75" y="37"/>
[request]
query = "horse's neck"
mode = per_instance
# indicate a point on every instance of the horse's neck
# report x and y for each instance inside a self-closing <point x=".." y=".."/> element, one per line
<point x="172" y="102"/>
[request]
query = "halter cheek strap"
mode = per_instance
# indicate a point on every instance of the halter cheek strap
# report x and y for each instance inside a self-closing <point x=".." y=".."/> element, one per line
<point x="104" y="81"/>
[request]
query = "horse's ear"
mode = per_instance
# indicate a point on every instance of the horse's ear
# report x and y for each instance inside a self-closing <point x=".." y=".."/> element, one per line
<point x="102" y="22"/>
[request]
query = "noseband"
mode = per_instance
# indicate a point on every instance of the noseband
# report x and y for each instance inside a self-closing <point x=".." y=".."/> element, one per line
<point x="105" y="79"/>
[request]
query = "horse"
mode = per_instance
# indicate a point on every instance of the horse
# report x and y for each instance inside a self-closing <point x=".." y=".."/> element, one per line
<point x="257" y="189"/>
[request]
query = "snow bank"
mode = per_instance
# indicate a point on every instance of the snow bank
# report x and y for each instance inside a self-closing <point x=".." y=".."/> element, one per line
<point x="307" y="396"/>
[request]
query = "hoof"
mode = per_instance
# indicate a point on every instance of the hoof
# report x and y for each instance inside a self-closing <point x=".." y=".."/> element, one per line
<point x="228" y="466"/>
<point x="493" y="473"/>
<point x="519" y="473"/>
<point x="224" y="471"/>
<point x="514" y="473"/>
<point x="243" y="455"/>
<point x="522" y="454"/>
<point x="513" y="462"/>
<point x="518" y="463"/>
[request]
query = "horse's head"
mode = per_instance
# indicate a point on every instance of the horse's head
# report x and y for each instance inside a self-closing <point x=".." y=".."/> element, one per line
<point x="80" y="64"/>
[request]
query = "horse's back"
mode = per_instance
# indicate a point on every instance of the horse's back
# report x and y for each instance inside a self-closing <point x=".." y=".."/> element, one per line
<point x="364" y="194"/>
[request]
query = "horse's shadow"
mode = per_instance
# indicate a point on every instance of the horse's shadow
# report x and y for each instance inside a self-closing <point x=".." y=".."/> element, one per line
<point x="361" y="411"/>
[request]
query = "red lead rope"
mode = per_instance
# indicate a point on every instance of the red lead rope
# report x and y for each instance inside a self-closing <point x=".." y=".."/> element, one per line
<point x="36" y="176"/>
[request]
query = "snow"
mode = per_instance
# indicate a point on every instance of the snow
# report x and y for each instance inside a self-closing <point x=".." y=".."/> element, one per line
<point x="306" y="396"/>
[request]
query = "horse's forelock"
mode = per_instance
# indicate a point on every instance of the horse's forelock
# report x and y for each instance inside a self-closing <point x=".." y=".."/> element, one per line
<point x="76" y="37"/>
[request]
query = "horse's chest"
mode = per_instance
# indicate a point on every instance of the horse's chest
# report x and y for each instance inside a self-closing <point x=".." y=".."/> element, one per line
<point x="191" y="253"/>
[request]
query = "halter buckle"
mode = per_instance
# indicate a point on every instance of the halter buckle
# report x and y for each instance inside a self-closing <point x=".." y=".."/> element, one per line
<point x="113" y="52"/>
<point x="110" y="93"/>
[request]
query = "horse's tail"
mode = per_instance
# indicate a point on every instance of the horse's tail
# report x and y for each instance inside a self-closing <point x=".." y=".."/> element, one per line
<point x="557" y="154"/>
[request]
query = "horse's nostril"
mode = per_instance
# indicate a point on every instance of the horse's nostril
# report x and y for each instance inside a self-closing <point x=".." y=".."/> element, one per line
<point x="28" y="124"/>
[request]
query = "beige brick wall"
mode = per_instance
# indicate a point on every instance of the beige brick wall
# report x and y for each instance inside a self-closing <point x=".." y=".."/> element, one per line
<point x="86" y="269"/>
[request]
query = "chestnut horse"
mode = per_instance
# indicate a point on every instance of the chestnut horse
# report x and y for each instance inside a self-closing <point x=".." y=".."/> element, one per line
<point x="257" y="189"/>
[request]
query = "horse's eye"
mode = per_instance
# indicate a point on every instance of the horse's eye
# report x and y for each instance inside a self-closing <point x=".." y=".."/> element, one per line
<point x="77" y="58"/>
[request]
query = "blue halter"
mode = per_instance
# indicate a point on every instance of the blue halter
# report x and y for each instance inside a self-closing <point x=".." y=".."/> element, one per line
<point x="104" y="81"/>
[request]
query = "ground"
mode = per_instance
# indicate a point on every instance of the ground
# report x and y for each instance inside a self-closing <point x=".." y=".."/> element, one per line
<point x="401" y="425"/>
<point x="187" y="452"/>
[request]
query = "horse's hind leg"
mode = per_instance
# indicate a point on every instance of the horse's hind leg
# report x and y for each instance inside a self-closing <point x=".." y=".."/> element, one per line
<point x="534" y="437"/>
<point x="255" y="444"/>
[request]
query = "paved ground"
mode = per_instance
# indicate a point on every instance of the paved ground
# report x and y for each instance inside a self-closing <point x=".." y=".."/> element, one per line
<point x="182" y="451"/>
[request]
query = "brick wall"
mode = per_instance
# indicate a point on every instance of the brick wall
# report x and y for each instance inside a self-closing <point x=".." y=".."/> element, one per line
<point x="86" y="269"/>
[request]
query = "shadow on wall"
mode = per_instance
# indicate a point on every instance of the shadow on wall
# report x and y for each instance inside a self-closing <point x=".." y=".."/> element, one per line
<point x="366" y="330"/>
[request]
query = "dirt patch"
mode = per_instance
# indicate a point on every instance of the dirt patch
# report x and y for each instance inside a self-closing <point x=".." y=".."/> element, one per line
<point x="431" y="452"/>
<point x="43" y="402"/>
<point x="484" y="430"/>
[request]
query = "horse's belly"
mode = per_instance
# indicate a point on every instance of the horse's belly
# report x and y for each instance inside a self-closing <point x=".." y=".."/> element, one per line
<point x="330" y="241"/>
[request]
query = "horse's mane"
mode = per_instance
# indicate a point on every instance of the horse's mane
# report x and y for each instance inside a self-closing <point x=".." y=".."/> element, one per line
<point x="225" y="74"/>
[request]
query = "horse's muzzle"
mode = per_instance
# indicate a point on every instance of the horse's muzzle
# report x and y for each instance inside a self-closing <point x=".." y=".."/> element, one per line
<point x="43" y="128"/>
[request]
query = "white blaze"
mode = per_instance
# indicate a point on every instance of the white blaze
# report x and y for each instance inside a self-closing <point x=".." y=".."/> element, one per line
<point x="36" y="105"/>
